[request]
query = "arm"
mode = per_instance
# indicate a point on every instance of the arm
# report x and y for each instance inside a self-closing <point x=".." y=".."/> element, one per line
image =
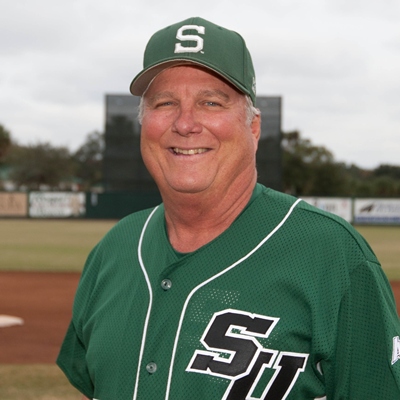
<point x="367" y="324"/>
<point x="72" y="356"/>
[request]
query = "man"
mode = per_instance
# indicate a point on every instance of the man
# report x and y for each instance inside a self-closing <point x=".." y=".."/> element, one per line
<point x="227" y="290"/>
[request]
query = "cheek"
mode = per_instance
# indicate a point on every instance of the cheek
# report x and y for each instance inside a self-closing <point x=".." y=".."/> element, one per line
<point x="237" y="134"/>
<point x="151" y="130"/>
<point x="149" y="137"/>
<point x="144" y="141"/>
<point x="149" y="153"/>
<point x="225" y="129"/>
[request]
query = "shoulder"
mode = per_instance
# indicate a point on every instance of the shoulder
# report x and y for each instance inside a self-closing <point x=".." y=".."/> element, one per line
<point x="333" y="227"/>
<point x="320" y="230"/>
<point x="127" y="229"/>
<point x="114" y="254"/>
<point x="119" y="242"/>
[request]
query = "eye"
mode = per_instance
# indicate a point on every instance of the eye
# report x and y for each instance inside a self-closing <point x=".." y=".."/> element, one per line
<point x="164" y="104"/>
<point x="212" y="103"/>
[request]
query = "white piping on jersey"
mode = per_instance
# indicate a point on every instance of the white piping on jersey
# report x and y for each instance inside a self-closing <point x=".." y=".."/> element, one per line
<point x="190" y="295"/>
<point x="146" y="323"/>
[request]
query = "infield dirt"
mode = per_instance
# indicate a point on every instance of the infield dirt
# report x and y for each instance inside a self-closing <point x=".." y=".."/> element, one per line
<point x="44" y="302"/>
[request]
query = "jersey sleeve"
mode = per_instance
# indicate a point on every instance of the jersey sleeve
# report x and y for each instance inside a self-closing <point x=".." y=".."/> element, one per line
<point x="72" y="355"/>
<point x="72" y="361"/>
<point x="363" y="366"/>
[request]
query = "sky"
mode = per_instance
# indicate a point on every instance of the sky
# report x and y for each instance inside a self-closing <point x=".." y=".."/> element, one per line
<point x="336" y="64"/>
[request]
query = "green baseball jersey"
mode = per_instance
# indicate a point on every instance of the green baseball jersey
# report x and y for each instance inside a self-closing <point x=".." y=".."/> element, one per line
<point x="288" y="303"/>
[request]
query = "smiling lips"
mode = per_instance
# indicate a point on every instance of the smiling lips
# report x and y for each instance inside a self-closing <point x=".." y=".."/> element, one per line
<point x="189" y="152"/>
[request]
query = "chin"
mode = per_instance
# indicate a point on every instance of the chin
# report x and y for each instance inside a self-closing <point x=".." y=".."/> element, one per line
<point x="188" y="187"/>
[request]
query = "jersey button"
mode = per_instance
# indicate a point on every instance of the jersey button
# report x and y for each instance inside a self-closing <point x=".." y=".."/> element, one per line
<point x="151" y="367"/>
<point x="166" y="284"/>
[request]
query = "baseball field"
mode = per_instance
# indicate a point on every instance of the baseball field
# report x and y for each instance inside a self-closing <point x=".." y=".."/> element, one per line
<point x="40" y="264"/>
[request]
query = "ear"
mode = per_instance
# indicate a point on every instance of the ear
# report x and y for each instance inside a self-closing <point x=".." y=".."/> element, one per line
<point x="256" y="130"/>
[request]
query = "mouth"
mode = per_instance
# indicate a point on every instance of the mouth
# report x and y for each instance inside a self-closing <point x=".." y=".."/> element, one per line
<point x="189" y="152"/>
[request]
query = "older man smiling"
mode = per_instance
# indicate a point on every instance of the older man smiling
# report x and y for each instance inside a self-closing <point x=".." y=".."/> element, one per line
<point x="228" y="290"/>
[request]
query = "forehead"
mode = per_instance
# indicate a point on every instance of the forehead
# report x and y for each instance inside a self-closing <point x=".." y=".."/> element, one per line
<point x="190" y="76"/>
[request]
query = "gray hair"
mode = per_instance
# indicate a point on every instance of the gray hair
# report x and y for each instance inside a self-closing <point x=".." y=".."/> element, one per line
<point x="251" y="111"/>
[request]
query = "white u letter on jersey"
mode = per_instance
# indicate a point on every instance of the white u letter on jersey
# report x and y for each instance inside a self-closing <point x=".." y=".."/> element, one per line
<point x="182" y="37"/>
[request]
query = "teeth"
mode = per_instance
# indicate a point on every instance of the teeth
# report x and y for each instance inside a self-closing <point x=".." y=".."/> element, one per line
<point x="189" y="152"/>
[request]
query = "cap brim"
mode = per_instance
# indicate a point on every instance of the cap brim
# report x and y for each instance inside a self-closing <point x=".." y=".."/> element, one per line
<point x="142" y="81"/>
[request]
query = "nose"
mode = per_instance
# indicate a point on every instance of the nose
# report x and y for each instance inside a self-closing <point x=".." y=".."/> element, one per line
<point x="186" y="122"/>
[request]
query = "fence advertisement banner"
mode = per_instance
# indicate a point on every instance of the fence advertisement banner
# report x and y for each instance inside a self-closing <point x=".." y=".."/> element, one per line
<point x="340" y="206"/>
<point x="377" y="211"/>
<point x="13" y="204"/>
<point x="56" y="204"/>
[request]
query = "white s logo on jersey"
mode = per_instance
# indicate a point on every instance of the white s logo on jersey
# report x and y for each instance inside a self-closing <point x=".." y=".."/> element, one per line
<point x="182" y="37"/>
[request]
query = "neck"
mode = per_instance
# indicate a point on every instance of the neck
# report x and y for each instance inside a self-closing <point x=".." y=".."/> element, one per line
<point x="194" y="220"/>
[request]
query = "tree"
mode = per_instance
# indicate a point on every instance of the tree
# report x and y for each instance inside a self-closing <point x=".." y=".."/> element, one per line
<point x="386" y="170"/>
<point x="385" y="186"/>
<point x="89" y="160"/>
<point x="310" y="170"/>
<point x="38" y="165"/>
<point x="5" y="142"/>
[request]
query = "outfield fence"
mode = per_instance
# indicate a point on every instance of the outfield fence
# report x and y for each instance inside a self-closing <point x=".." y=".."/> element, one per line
<point x="115" y="205"/>
<point x="361" y="211"/>
<point x="109" y="205"/>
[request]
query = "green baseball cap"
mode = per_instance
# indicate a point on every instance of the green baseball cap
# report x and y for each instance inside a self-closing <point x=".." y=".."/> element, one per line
<point x="197" y="41"/>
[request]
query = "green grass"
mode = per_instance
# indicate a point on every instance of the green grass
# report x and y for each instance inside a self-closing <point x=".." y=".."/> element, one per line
<point x="48" y="245"/>
<point x="35" y="382"/>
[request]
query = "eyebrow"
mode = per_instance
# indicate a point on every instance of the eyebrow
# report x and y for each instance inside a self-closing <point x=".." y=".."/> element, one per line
<point x="162" y="95"/>
<point x="202" y="93"/>
<point x="215" y="92"/>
